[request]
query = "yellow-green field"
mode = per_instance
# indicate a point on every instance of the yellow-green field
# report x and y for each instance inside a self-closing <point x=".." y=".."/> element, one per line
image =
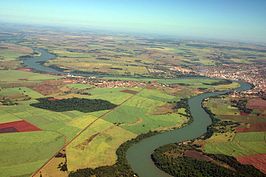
<point x="14" y="75"/>
<point x="134" y="115"/>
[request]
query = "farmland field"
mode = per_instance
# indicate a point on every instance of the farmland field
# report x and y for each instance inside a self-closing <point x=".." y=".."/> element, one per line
<point x="27" y="151"/>
<point x="15" y="75"/>
<point x="13" y="52"/>
<point x="245" y="141"/>
<point x="63" y="126"/>
<point x="138" y="111"/>
<point x="96" y="146"/>
<point x="242" y="144"/>
<point x="101" y="91"/>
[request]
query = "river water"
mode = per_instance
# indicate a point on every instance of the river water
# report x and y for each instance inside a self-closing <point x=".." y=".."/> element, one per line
<point x="36" y="62"/>
<point x="139" y="154"/>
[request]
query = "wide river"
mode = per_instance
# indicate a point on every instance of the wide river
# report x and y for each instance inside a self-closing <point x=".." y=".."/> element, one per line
<point x="36" y="62"/>
<point x="139" y="154"/>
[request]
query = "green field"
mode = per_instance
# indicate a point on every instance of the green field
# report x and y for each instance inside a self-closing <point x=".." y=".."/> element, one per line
<point x="13" y="52"/>
<point x="114" y="95"/>
<point x="97" y="146"/>
<point x="79" y="86"/>
<point x="20" y="90"/>
<point x="136" y="114"/>
<point x="150" y="106"/>
<point x="189" y="82"/>
<point x="100" y="141"/>
<point x="241" y="145"/>
<point x="230" y="142"/>
<point x="23" y="153"/>
<point x="63" y="124"/>
<point x="221" y="106"/>
<point x="14" y="75"/>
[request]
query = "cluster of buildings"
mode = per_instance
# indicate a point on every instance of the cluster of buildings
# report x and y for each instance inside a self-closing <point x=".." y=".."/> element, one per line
<point x="116" y="84"/>
<point x="181" y="70"/>
<point x="254" y="74"/>
<point x="102" y="83"/>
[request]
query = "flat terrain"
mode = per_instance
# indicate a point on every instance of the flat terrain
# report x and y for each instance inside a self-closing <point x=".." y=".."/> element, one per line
<point x="132" y="87"/>
<point x="248" y="139"/>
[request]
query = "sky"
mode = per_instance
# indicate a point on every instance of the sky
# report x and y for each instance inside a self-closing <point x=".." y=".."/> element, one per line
<point x="243" y="20"/>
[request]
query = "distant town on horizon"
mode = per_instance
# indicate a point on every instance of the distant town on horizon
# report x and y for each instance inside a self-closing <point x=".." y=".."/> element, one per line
<point x="137" y="88"/>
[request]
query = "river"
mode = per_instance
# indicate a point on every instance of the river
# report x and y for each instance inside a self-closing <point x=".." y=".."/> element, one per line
<point x="139" y="154"/>
<point x="36" y="62"/>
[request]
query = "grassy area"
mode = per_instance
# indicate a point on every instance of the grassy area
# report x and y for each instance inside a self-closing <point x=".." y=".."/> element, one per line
<point x="62" y="53"/>
<point x="15" y="75"/>
<point x="137" y="115"/>
<point x="221" y="106"/>
<point x="114" y="95"/>
<point x="242" y="144"/>
<point x="227" y="86"/>
<point x="79" y="86"/>
<point x="192" y="82"/>
<point x="22" y="153"/>
<point x="96" y="146"/>
<point x="13" y="52"/>
<point x="93" y="65"/>
<point x="229" y="142"/>
<point x="116" y="55"/>
<point x="64" y="124"/>
<point x="20" y="90"/>
<point x="100" y="141"/>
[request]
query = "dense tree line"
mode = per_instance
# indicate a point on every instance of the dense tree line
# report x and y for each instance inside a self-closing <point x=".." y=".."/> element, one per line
<point x="183" y="103"/>
<point x="79" y="104"/>
<point x="183" y="166"/>
<point x="79" y="91"/>
<point x="241" y="105"/>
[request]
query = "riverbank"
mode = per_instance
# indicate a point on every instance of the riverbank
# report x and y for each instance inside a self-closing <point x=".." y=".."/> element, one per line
<point x="137" y="153"/>
<point x="122" y="167"/>
<point x="191" y="159"/>
<point x="201" y="120"/>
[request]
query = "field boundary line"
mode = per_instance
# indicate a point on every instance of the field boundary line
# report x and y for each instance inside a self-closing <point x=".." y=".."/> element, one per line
<point x="83" y="130"/>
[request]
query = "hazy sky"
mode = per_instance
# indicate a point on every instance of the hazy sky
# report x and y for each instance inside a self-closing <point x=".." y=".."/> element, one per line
<point x="225" y="19"/>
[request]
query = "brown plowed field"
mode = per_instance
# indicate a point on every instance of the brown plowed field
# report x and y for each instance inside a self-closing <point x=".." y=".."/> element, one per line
<point x="49" y="87"/>
<point x="256" y="103"/>
<point x="197" y="155"/>
<point x="257" y="127"/>
<point x="18" y="126"/>
<point x="130" y="91"/>
<point x="258" y="161"/>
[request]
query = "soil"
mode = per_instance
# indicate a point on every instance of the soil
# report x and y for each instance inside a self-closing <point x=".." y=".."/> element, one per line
<point x="18" y="126"/>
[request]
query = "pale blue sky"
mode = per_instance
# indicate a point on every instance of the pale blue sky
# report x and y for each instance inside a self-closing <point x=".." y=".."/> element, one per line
<point x="223" y="19"/>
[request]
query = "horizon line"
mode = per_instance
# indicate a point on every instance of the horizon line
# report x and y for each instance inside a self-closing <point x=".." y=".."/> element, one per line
<point x="129" y="32"/>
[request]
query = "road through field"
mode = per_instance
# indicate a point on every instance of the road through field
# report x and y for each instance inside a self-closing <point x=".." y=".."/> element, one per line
<point x="83" y="130"/>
